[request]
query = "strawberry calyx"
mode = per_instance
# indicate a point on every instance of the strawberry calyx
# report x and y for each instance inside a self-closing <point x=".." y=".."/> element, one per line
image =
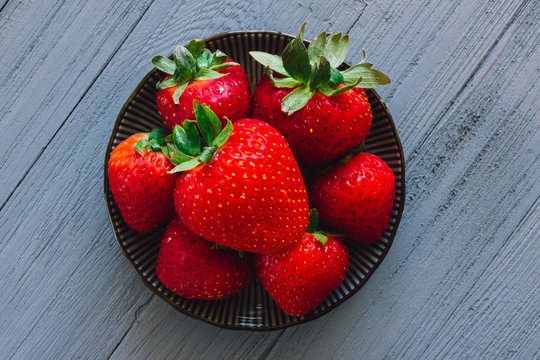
<point x="313" y="224"/>
<point x="315" y="68"/>
<point x="191" y="144"/>
<point x="189" y="64"/>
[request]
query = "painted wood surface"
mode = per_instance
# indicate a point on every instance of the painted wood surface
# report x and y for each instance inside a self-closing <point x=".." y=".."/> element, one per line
<point x="461" y="280"/>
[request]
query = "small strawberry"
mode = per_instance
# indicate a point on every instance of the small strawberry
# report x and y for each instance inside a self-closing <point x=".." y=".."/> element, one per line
<point x="141" y="183"/>
<point x="322" y="112"/>
<point x="300" y="278"/>
<point x="356" y="197"/>
<point x="195" y="268"/>
<point x="198" y="74"/>
<point x="243" y="188"/>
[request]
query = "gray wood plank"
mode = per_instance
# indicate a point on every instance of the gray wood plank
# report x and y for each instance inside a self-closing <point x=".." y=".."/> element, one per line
<point x="51" y="53"/>
<point x="62" y="273"/>
<point x="471" y="183"/>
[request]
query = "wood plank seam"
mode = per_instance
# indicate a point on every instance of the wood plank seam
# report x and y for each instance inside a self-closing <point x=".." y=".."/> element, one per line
<point x="3" y="6"/>
<point x="270" y="346"/>
<point x="98" y="74"/>
<point x="136" y="315"/>
<point x="359" y="16"/>
<point x="469" y="80"/>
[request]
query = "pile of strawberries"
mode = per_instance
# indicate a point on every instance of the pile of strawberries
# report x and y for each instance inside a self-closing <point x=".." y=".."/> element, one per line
<point x="233" y="189"/>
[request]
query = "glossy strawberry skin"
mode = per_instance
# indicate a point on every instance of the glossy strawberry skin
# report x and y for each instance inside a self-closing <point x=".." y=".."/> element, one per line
<point x="325" y="129"/>
<point x="250" y="196"/>
<point x="193" y="268"/>
<point x="141" y="186"/>
<point x="356" y="197"/>
<point x="300" y="278"/>
<point x="229" y="96"/>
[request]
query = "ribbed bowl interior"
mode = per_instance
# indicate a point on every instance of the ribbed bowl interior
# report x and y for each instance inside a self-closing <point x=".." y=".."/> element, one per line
<point x="251" y="308"/>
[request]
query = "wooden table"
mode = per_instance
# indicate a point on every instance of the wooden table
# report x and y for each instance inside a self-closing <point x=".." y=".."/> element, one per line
<point x="462" y="278"/>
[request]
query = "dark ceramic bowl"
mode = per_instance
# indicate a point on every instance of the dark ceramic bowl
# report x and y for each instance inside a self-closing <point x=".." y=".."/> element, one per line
<point x="251" y="308"/>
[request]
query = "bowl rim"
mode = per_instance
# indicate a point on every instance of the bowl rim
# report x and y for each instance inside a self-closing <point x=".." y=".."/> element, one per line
<point x="303" y="319"/>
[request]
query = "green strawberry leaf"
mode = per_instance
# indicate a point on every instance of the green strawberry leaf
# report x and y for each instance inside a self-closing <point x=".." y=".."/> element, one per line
<point x="154" y="146"/>
<point x="204" y="59"/>
<point x="188" y="165"/>
<point x="141" y="144"/>
<point x="167" y="83"/>
<point x="336" y="49"/>
<point x="223" y="136"/>
<point x="286" y="82"/>
<point x="316" y="47"/>
<point x="166" y="151"/>
<point x="203" y="122"/>
<point x="157" y="135"/>
<point x="274" y="62"/>
<point x="370" y="78"/>
<point x="336" y="78"/>
<point x="164" y="64"/>
<point x="328" y="91"/>
<point x="183" y="142"/>
<point x="218" y="67"/>
<point x="185" y="64"/>
<point x="178" y="157"/>
<point x="207" y="74"/>
<point x="321" y="75"/>
<point x="297" y="99"/>
<point x="207" y="153"/>
<point x="296" y="60"/>
<point x="300" y="34"/>
<point x="193" y="135"/>
<point x="195" y="47"/>
<point x="214" y="121"/>
<point x="364" y="56"/>
<point x="219" y="58"/>
<point x="178" y="92"/>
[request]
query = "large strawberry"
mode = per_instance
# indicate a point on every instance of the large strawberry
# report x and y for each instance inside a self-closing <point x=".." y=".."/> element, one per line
<point x="197" y="74"/>
<point x="197" y="269"/>
<point x="241" y="186"/>
<point x="356" y="197"/>
<point x="321" y="111"/>
<point x="140" y="181"/>
<point x="300" y="278"/>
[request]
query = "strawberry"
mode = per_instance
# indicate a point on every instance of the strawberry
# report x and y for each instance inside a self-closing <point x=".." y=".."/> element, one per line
<point x="300" y="278"/>
<point x="140" y="182"/>
<point x="321" y="111"/>
<point x="356" y="197"/>
<point x="195" y="268"/>
<point x="241" y="186"/>
<point x="198" y="74"/>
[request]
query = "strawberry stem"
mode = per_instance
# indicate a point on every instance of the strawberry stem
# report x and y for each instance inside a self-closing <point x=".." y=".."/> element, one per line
<point x="312" y="226"/>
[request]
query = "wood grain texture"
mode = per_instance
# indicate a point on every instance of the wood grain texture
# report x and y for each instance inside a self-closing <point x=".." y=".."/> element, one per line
<point x="51" y="54"/>
<point x="461" y="278"/>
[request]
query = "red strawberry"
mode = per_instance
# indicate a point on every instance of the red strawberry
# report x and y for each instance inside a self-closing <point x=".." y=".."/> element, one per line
<point x="356" y="197"/>
<point x="198" y="74"/>
<point x="243" y="191"/>
<point x="194" y="268"/>
<point x="140" y="182"/>
<point x="321" y="111"/>
<point x="300" y="278"/>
